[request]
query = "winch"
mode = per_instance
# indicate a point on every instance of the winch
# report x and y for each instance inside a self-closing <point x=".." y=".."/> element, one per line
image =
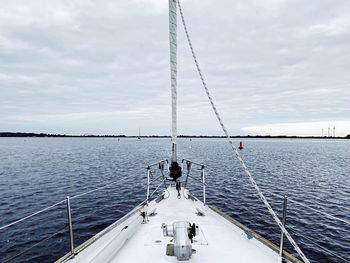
<point x="183" y="233"/>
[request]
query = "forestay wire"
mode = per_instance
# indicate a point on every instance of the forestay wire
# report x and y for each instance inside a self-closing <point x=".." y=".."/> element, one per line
<point x="262" y="197"/>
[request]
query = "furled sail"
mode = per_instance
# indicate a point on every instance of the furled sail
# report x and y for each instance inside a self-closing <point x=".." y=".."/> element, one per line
<point x="173" y="73"/>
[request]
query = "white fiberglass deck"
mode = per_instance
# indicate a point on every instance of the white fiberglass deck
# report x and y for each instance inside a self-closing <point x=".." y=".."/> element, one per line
<point x="219" y="240"/>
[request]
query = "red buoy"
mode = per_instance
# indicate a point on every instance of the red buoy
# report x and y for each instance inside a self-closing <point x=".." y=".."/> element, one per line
<point x="240" y="146"/>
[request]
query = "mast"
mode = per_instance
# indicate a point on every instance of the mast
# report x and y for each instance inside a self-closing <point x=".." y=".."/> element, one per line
<point x="175" y="169"/>
<point x="173" y="74"/>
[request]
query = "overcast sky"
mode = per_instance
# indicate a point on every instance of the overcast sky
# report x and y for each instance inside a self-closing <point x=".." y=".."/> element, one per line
<point x="102" y="67"/>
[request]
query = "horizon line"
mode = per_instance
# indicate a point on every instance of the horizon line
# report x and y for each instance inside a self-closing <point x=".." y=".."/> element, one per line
<point x="32" y="134"/>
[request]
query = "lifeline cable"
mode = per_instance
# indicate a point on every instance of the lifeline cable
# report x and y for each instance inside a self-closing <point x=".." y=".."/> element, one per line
<point x="322" y="247"/>
<point x="36" y="244"/>
<point x="311" y="208"/>
<point x="33" y="214"/>
<point x="262" y="197"/>
<point x="60" y="202"/>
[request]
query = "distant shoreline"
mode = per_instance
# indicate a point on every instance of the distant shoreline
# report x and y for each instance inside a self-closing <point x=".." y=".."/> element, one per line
<point x="30" y="134"/>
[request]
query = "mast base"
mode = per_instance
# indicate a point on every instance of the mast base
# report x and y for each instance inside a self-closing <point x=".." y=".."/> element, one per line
<point x="175" y="171"/>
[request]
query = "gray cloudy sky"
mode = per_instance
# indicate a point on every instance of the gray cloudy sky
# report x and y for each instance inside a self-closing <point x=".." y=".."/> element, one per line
<point x="102" y="67"/>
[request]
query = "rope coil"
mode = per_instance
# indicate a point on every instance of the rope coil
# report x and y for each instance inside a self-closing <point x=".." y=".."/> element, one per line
<point x="251" y="179"/>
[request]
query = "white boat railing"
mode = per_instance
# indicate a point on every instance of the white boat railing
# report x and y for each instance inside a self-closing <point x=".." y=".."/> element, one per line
<point x="163" y="175"/>
<point x="202" y="167"/>
<point x="69" y="220"/>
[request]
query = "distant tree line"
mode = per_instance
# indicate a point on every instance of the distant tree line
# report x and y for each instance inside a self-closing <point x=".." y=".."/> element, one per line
<point x="31" y="134"/>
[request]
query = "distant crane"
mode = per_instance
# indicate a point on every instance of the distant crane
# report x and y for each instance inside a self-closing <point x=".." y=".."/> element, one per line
<point x="334" y="131"/>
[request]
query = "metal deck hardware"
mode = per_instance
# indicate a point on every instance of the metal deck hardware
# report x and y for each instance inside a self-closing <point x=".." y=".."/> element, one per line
<point x="189" y="166"/>
<point x="70" y="226"/>
<point x="284" y="223"/>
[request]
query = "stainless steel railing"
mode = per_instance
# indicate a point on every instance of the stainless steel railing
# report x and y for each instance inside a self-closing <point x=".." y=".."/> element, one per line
<point x="163" y="167"/>
<point x="202" y="181"/>
<point x="284" y="224"/>
<point x="163" y="175"/>
<point x="69" y="221"/>
<point x="324" y="214"/>
<point x="70" y="227"/>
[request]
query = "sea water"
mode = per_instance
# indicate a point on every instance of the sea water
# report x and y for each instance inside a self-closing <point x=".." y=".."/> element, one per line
<point x="38" y="172"/>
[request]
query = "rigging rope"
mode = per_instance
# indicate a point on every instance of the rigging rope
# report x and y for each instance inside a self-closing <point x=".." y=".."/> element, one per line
<point x="262" y="197"/>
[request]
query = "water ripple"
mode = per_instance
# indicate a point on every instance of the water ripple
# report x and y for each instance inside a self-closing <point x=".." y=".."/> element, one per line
<point x="37" y="172"/>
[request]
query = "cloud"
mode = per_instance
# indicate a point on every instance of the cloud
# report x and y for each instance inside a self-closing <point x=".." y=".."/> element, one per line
<point x="265" y="62"/>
